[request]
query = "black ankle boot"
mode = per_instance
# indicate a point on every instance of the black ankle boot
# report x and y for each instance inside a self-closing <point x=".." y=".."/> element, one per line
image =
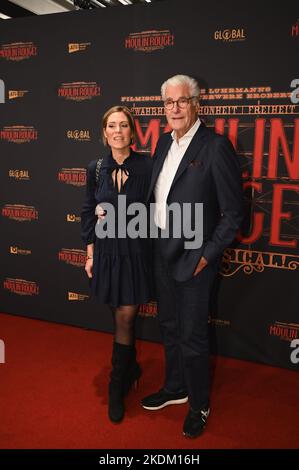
<point x="120" y="361"/>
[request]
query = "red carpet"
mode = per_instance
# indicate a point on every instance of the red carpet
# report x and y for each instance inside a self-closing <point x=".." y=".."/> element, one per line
<point x="53" y="394"/>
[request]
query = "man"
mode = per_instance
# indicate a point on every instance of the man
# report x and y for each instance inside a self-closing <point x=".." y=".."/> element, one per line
<point x="191" y="165"/>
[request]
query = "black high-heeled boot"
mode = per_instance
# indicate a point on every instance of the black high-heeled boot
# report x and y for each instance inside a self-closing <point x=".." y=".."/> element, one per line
<point x="120" y="361"/>
<point x="133" y="372"/>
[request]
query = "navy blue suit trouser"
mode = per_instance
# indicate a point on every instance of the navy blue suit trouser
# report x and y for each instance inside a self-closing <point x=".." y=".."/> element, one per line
<point x="183" y="309"/>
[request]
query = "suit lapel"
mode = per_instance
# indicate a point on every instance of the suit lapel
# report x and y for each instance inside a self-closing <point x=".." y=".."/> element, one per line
<point x="191" y="152"/>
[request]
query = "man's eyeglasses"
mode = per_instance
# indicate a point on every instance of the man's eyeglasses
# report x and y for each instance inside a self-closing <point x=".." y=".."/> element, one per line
<point x="182" y="102"/>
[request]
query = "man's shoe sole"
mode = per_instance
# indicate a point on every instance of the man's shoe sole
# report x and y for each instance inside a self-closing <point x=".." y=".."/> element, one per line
<point x="166" y="403"/>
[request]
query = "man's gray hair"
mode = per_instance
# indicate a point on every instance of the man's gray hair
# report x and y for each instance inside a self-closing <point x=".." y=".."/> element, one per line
<point x="181" y="80"/>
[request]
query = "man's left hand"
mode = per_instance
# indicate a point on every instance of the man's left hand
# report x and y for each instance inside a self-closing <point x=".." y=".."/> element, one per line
<point x="201" y="265"/>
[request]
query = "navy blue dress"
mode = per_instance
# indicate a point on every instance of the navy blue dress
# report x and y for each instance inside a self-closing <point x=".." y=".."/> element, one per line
<point x="121" y="266"/>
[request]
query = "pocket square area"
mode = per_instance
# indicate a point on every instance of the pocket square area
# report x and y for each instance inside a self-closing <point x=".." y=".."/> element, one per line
<point x="195" y="163"/>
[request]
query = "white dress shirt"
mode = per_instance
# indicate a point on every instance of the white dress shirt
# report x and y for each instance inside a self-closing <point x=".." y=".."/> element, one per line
<point x="168" y="171"/>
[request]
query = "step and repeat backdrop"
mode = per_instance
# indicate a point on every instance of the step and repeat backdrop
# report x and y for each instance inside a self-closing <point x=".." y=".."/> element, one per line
<point x="59" y="73"/>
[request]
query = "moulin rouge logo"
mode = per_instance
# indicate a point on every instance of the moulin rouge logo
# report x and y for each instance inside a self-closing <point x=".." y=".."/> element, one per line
<point x="271" y="137"/>
<point x="21" y="286"/>
<point x="20" y="212"/>
<point x="17" y="51"/>
<point x="72" y="256"/>
<point x="18" y="134"/>
<point x="74" y="176"/>
<point x="149" y="41"/>
<point x="285" y="331"/>
<point x="79" y="91"/>
<point x="148" y="310"/>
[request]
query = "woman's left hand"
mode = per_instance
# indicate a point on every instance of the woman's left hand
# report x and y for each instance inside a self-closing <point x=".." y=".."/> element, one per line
<point x="100" y="212"/>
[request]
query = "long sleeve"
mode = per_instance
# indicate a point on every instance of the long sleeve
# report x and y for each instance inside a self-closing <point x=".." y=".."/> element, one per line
<point x="228" y="182"/>
<point x="88" y="217"/>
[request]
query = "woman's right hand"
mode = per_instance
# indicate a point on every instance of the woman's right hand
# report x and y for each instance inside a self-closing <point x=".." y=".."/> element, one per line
<point x="88" y="267"/>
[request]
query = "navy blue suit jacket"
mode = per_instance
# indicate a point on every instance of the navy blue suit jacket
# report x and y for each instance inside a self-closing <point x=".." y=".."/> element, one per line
<point x="209" y="173"/>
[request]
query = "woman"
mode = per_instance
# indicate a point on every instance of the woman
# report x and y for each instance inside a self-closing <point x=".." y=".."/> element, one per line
<point x="118" y="268"/>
